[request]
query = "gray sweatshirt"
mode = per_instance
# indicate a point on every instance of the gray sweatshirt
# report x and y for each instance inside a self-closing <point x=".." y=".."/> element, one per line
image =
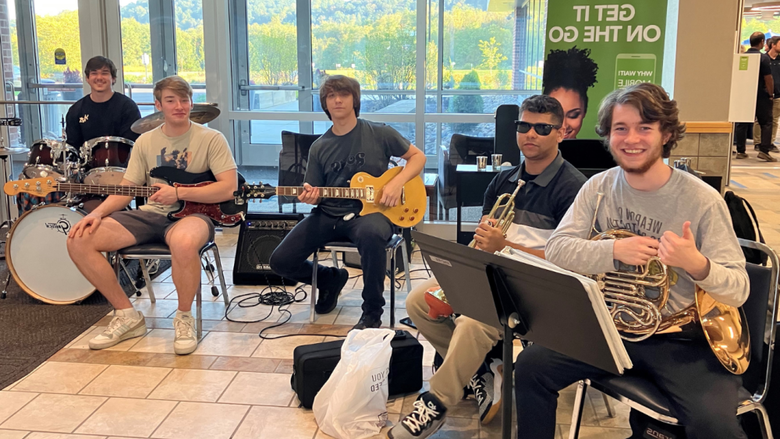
<point x="683" y="198"/>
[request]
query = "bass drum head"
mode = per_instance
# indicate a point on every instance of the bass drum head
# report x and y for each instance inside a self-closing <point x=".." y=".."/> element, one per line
<point x="37" y="256"/>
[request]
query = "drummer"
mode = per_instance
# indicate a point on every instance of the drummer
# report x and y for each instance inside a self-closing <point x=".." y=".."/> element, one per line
<point x="102" y="112"/>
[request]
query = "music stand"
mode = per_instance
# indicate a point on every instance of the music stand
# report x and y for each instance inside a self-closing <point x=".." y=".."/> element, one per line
<point x="543" y="306"/>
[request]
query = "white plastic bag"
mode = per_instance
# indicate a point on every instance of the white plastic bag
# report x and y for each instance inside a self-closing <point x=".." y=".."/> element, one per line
<point x="353" y="402"/>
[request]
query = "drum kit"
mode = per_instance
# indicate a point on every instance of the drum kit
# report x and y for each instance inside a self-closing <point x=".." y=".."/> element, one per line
<point x="37" y="241"/>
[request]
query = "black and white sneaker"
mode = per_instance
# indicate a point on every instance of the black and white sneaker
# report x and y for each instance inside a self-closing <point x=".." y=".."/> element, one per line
<point x="487" y="390"/>
<point x="426" y="419"/>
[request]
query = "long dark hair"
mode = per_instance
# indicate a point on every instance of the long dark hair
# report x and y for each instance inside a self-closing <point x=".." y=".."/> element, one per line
<point x="337" y="83"/>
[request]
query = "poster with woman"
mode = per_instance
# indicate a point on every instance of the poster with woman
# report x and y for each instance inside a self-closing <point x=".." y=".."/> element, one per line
<point x="592" y="49"/>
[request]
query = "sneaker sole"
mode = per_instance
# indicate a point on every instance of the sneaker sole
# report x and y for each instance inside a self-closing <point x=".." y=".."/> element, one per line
<point x="185" y="351"/>
<point x="497" y="382"/>
<point x="133" y="333"/>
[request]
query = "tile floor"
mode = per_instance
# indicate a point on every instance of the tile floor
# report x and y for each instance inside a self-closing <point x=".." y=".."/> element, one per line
<point x="237" y="385"/>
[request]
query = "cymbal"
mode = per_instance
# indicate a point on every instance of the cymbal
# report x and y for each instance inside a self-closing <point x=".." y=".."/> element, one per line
<point x="201" y="113"/>
<point x="13" y="151"/>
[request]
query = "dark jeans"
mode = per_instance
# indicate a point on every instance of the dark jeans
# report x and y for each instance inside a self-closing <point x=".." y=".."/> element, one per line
<point x="764" y="117"/>
<point x="369" y="233"/>
<point x="702" y="393"/>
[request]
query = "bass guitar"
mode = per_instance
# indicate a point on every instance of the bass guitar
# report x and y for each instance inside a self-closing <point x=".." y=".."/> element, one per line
<point x="226" y="214"/>
<point x="365" y="188"/>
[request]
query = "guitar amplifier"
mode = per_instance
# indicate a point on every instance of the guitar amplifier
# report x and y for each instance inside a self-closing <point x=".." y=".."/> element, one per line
<point x="258" y="237"/>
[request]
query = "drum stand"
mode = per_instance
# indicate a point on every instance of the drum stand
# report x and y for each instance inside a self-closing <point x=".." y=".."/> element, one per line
<point x="4" y="155"/>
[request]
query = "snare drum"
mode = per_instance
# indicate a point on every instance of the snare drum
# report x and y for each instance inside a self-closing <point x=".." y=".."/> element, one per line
<point x="41" y="159"/>
<point x="108" y="159"/>
<point x="37" y="255"/>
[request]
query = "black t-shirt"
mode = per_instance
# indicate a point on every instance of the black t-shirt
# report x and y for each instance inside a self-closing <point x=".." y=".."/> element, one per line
<point x="774" y="64"/>
<point x="333" y="160"/>
<point x="764" y="68"/>
<point x="87" y="119"/>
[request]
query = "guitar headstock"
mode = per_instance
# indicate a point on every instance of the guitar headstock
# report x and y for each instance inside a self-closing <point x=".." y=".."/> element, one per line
<point x="255" y="191"/>
<point x="40" y="187"/>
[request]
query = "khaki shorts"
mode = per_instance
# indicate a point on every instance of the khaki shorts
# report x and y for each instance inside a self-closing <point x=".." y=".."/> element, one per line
<point x="149" y="227"/>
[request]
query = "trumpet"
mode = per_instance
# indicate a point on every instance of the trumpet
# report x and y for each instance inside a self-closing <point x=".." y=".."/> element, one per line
<point x="638" y="316"/>
<point x="505" y="204"/>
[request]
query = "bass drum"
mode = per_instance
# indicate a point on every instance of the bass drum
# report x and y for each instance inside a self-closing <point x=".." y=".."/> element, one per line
<point x="37" y="255"/>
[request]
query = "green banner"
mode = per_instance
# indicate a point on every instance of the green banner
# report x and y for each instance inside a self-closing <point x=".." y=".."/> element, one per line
<point x="592" y="49"/>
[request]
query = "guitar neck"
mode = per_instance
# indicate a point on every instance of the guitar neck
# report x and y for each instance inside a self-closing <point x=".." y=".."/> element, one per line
<point x="325" y="192"/>
<point x="108" y="189"/>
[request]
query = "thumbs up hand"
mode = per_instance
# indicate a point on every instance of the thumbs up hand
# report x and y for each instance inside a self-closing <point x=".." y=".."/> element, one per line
<point x="681" y="251"/>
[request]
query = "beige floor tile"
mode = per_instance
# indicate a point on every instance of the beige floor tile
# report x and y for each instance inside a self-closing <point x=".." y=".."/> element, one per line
<point x="60" y="377"/>
<point x="11" y="402"/>
<point x="12" y="434"/>
<point x="198" y="420"/>
<point x="263" y="423"/>
<point x="348" y="316"/>
<point x="83" y="341"/>
<point x="300" y="314"/>
<point x="287" y="328"/>
<point x="283" y="348"/>
<point x="587" y="432"/>
<point x="54" y="413"/>
<point x="39" y="435"/>
<point x="126" y="381"/>
<point x="566" y="406"/>
<point x="129" y="417"/>
<point x="228" y="344"/>
<point x="223" y="326"/>
<point x="181" y="361"/>
<point x="245" y="364"/>
<point x="193" y="385"/>
<point x="158" y="341"/>
<point x="620" y="410"/>
<point x="161" y="308"/>
<point x="259" y="389"/>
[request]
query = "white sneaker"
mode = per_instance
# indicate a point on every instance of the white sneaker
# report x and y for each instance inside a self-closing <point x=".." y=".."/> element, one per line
<point x="185" y="341"/>
<point x="121" y="328"/>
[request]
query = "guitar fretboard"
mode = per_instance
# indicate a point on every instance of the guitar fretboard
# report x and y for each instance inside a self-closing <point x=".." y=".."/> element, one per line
<point x="108" y="189"/>
<point x="325" y="192"/>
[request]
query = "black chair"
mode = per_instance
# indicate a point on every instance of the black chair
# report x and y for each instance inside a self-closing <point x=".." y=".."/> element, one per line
<point x="293" y="159"/>
<point x="589" y="156"/>
<point x="761" y="311"/>
<point x="462" y="150"/>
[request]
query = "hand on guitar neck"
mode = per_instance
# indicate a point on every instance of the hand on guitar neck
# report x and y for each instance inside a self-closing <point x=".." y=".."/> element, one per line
<point x="310" y="194"/>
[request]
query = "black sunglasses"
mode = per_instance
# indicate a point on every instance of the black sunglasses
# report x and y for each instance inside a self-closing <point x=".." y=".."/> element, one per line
<point x="541" y="129"/>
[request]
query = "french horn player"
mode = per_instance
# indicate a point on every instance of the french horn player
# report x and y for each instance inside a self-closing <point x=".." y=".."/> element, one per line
<point x="522" y="206"/>
<point x="667" y="237"/>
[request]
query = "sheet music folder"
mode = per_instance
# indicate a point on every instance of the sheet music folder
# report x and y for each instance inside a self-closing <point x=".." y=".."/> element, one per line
<point x="558" y="309"/>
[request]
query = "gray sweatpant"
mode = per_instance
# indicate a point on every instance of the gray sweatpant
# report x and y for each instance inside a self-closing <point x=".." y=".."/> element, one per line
<point x="463" y="343"/>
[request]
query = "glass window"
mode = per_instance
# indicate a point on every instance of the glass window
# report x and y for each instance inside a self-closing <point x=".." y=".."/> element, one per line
<point x="59" y="60"/>
<point x="190" y="59"/>
<point x="137" y="52"/>
<point x="374" y="45"/>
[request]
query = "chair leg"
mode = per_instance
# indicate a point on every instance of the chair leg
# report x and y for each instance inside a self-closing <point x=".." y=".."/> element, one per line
<point x="199" y="318"/>
<point x="149" y="289"/>
<point x="608" y="404"/>
<point x="392" y="288"/>
<point x="579" y="404"/>
<point x="406" y="267"/>
<point x="221" y="274"/>
<point x="763" y="422"/>
<point x="313" y="286"/>
<point x="121" y="263"/>
<point x="334" y="258"/>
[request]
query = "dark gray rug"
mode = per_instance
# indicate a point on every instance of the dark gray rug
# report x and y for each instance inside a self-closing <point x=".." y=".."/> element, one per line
<point x="32" y="331"/>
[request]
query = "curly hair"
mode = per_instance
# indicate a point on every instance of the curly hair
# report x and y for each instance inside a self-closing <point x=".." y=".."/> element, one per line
<point x="653" y="104"/>
<point x="571" y="69"/>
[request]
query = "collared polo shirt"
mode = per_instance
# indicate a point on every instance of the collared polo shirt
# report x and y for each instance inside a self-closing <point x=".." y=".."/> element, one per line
<point x="541" y="203"/>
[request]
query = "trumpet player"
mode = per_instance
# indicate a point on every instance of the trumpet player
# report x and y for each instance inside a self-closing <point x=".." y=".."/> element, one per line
<point x="551" y="184"/>
<point x="675" y="217"/>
